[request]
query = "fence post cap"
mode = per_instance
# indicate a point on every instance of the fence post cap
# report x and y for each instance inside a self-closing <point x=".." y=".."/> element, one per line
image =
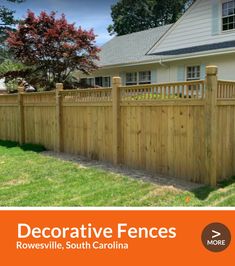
<point x="117" y="80"/>
<point x="59" y="86"/>
<point x="211" y="70"/>
<point x="20" y="89"/>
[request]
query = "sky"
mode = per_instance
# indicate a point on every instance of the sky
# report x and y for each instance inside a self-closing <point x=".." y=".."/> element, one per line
<point x="86" y="13"/>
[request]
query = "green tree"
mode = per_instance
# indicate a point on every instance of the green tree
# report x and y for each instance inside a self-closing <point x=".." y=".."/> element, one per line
<point x="7" y="22"/>
<point x="12" y="69"/>
<point x="135" y="15"/>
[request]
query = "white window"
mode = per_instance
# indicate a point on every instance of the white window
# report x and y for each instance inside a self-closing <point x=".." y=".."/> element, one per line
<point x="131" y="78"/>
<point x="134" y="78"/>
<point x="145" y="77"/>
<point x="99" y="81"/>
<point x="102" y="82"/>
<point x="90" y="82"/>
<point x="83" y="81"/>
<point x="106" y="82"/>
<point x="228" y="15"/>
<point x="193" y="73"/>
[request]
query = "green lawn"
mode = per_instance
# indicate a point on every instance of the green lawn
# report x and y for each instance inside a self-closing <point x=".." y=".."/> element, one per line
<point x="28" y="178"/>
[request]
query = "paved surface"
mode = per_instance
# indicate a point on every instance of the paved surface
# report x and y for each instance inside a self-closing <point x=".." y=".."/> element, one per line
<point x="123" y="170"/>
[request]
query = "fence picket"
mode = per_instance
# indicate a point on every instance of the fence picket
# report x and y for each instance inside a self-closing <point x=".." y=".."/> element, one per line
<point x="170" y="127"/>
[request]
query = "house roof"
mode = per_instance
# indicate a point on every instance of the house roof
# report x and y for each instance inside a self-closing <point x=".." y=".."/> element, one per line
<point x="131" y="48"/>
<point x="148" y="46"/>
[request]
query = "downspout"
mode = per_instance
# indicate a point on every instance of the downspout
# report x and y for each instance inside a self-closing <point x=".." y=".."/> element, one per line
<point x="162" y="63"/>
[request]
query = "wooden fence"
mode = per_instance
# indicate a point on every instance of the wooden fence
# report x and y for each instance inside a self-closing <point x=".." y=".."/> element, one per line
<point x="185" y="129"/>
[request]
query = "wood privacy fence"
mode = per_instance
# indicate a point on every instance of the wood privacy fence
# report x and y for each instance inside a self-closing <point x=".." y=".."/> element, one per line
<point x="185" y="129"/>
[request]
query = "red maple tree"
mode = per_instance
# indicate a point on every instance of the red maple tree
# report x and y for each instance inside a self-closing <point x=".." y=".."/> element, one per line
<point x="53" y="45"/>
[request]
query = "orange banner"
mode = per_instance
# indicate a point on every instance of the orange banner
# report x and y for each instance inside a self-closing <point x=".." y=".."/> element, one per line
<point x="117" y="237"/>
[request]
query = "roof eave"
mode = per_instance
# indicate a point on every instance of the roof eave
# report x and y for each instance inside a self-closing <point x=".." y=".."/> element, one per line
<point x="198" y="54"/>
<point x="137" y="63"/>
<point x="164" y="58"/>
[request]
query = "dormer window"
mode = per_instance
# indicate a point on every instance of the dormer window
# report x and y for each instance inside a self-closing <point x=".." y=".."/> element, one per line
<point x="228" y="15"/>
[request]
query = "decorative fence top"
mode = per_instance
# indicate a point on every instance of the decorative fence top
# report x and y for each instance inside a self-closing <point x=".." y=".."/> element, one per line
<point x="177" y="91"/>
<point x="87" y="95"/>
<point x="39" y="97"/>
<point x="165" y="91"/>
<point x="226" y="89"/>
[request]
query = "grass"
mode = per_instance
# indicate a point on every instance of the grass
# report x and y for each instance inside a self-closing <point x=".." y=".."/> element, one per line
<point x="28" y="178"/>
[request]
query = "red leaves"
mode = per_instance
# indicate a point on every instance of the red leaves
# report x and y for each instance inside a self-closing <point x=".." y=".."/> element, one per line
<point x="53" y="43"/>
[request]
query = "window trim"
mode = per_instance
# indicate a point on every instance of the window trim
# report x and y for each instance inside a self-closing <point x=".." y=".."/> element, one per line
<point x="193" y="79"/>
<point x="109" y="77"/>
<point x="93" y="81"/>
<point x="221" y="18"/>
<point x="101" y="78"/>
<point x="138" y="82"/>
<point x="132" y="83"/>
<point x="145" y="82"/>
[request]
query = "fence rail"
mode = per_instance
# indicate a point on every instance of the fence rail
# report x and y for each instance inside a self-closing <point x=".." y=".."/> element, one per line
<point x="88" y="95"/>
<point x="181" y="129"/>
<point x="164" y="91"/>
<point x="226" y="89"/>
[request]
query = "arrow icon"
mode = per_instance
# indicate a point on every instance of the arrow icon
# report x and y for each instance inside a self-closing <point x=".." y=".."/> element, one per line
<point x="217" y="234"/>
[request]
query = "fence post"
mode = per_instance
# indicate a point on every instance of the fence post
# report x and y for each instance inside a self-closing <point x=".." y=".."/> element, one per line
<point x="116" y="84"/>
<point x="59" y="128"/>
<point x="21" y="115"/>
<point x="211" y="125"/>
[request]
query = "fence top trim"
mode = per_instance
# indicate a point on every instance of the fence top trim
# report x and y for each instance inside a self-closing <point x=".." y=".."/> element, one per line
<point x="87" y="90"/>
<point x="38" y="93"/>
<point x="164" y="84"/>
<point x="226" y="81"/>
<point x="9" y="95"/>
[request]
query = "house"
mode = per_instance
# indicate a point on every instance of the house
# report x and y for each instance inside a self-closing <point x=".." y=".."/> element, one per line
<point x="204" y="35"/>
<point x="3" y="88"/>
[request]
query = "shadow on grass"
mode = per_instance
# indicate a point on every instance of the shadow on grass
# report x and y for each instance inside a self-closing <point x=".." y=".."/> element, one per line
<point x="202" y="193"/>
<point x="25" y="147"/>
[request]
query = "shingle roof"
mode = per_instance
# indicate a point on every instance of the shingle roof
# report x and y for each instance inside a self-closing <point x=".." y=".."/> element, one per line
<point x="135" y="47"/>
<point x="200" y="48"/>
<point x="131" y="48"/>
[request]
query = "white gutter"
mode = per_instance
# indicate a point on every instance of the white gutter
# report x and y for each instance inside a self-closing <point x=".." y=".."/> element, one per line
<point x="161" y="61"/>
